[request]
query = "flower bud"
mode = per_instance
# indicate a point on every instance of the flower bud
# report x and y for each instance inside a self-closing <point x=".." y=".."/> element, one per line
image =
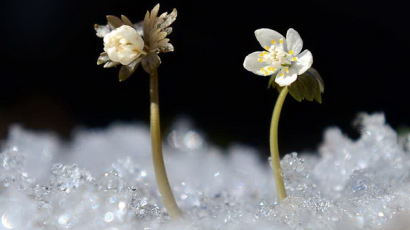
<point x="123" y="45"/>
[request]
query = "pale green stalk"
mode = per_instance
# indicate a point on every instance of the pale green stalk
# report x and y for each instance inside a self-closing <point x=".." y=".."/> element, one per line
<point x="274" y="148"/>
<point x="158" y="160"/>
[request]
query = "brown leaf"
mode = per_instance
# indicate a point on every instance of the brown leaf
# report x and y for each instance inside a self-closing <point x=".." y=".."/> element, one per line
<point x="127" y="70"/>
<point x="154" y="12"/>
<point x="163" y="15"/>
<point x="161" y="35"/>
<point x="126" y="21"/>
<point x="168" y="30"/>
<point x="156" y="30"/>
<point x="167" y="48"/>
<point x="169" y="19"/>
<point x="163" y="41"/>
<point x="110" y="64"/>
<point x="114" y="21"/>
<point x="146" y="27"/>
<point x="103" y="58"/>
<point x="151" y="62"/>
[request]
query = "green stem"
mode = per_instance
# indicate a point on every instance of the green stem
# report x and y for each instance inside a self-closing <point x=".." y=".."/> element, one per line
<point x="274" y="148"/>
<point x="159" y="166"/>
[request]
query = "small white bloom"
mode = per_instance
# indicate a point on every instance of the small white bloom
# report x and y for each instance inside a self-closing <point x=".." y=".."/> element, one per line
<point x="282" y="56"/>
<point x="123" y="45"/>
<point x="132" y="45"/>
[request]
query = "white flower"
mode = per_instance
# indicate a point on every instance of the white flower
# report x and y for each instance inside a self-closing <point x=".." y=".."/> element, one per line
<point x="282" y="56"/>
<point x="123" y="45"/>
<point x="132" y="45"/>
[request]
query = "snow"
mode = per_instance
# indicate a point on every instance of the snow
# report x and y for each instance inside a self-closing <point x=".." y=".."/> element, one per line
<point x="103" y="179"/>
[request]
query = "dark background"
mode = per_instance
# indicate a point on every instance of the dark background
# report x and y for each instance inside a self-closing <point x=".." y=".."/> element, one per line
<point x="49" y="77"/>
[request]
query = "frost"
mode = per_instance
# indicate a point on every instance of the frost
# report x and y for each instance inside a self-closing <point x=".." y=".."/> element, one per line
<point x="104" y="179"/>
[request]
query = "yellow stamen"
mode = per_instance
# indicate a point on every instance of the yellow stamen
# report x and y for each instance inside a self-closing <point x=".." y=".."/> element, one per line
<point x="273" y="41"/>
<point x="272" y="69"/>
<point x="281" y="41"/>
<point x="267" y="70"/>
<point x="291" y="52"/>
<point x="294" y="59"/>
<point x="286" y="69"/>
<point x="260" y="59"/>
<point x="263" y="54"/>
<point x="266" y="47"/>
<point x="281" y="74"/>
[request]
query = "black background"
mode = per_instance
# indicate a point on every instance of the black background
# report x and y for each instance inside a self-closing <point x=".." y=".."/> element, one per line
<point x="49" y="79"/>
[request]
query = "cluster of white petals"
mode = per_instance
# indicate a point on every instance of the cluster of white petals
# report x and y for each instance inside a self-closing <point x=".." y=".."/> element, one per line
<point x="282" y="56"/>
<point x="123" y="44"/>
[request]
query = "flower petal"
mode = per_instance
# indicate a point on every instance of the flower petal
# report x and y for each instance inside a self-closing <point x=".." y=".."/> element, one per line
<point x="102" y="30"/>
<point x="286" y="78"/>
<point x="265" y="36"/>
<point x="123" y="45"/>
<point x="304" y="62"/>
<point x="252" y="64"/>
<point x="293" y="41"/>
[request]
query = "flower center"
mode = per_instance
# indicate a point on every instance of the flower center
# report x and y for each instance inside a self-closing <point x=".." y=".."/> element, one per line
<point x="122" y="44"/>
<point x="276" y="56"/>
